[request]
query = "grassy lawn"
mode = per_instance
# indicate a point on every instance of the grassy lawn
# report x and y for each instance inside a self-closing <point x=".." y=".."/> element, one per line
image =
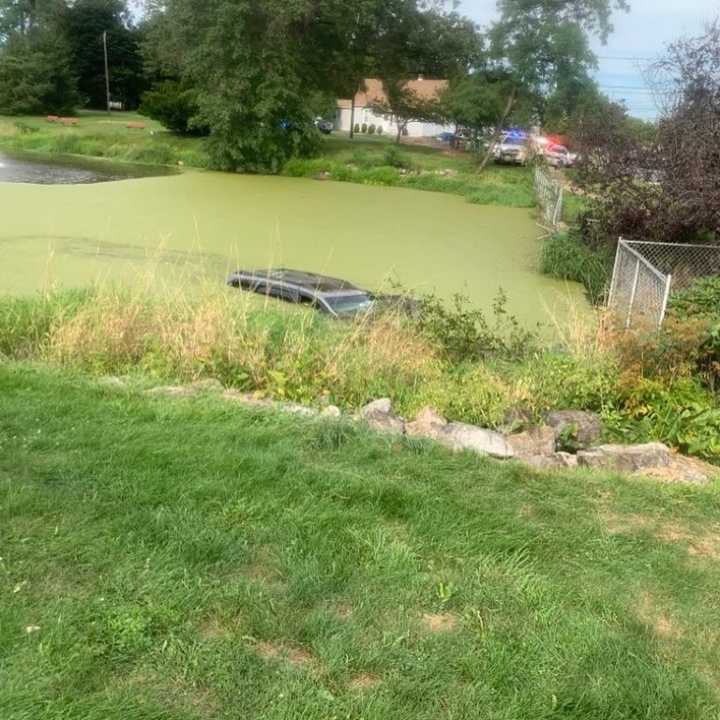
<point x="367" y="159"/>
<point x="189" y="559"/>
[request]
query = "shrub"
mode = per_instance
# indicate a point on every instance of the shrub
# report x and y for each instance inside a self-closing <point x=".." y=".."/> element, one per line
<point x="702" y="298"/>
<point x="364" y="127"/>
<point x="173" y="105"/>
<point x="464" y="333"/>
<point x="371" y="129"/>
<point x="564" y="256"/>
<point x="379" y="130"/>
<point x="356" y="128"/>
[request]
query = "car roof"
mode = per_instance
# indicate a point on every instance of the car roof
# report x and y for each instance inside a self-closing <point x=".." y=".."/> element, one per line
<point x="308" y="280"/>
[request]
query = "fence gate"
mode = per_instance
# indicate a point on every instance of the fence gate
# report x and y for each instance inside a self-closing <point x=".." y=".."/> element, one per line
<point x="550" y="197"/>
<point x="646" y="273"/>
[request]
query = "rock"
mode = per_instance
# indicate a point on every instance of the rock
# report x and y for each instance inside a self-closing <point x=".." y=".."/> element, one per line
<point x="537" y="441"/>
<point x="428" y="423"/>
<point x="207" y="385"/>
<point x="380" y="417"/>
<point x="587" y="425"/>
<point x="297" y="409"/>
<point x="517" y="418"/>
<point x="626" y="458"/>
<point x="331" y="411"/>
<point x="171" y="391"/>
<point x="685" y="470"/>
<point x="556" y="461"/>
<point x="460" y="436"/>
<point x="112" y="381"/>
<point x="247" y="399"/>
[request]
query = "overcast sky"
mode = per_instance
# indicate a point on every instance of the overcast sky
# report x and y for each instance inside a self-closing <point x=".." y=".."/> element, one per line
<point x="639" y="36"/>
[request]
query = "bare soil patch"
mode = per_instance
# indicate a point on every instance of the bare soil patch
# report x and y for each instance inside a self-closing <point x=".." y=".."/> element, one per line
<point x="439" y="622"/>
<point x="363" y="681"/>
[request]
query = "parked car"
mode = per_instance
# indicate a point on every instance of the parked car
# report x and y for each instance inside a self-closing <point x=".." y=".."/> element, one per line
<point x="324" y="126"/>
<point x="513" y="149"/>
<point x="558" y="156"/>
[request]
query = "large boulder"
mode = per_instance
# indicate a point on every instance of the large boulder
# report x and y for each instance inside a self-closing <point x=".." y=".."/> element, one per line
<point x="686" y="470"/>
<point x="380" y="417"/>
<point x="460" y="436"/>
<point x="428" y="423"/>
<point x="537" y="441"/>
<point x="556" y="461"/>
<point x="626" y="458"/>
<point x="585" y="427"/>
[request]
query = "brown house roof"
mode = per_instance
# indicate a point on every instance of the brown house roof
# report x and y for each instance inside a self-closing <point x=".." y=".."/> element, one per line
<point x="374" y="93"/>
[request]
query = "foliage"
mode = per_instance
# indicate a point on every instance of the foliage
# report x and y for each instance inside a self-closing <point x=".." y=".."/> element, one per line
<point x="662" y="183"/>
<point x="173" y="105"/>
<point x="404" y="105"/>
<point x="36" y="76"/>
<point x="567" y="257"/>
<point x="701" y="299"/>
<point x="464" y="333"/>
<point x="83" y="24"/>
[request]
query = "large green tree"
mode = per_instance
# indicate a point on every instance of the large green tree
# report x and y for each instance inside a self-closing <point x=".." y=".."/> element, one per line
<point x="84" y="23"/>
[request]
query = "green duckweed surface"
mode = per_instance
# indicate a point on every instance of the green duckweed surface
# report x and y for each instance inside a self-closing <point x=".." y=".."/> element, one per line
<point x="200" y="225"/>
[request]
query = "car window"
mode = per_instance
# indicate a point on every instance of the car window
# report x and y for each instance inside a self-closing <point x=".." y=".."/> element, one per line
<point x="348" y="303"/>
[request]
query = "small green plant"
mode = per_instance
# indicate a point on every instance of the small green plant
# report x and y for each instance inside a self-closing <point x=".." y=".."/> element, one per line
<point x="702" y="298"/>
<point x="379" y="130"/>
<point x="371" y="129"/>
<point x="464" y="332"/>
<point x="364" y="128"/>
<point x="24" y="129"/>
<point x="356" y="128"/>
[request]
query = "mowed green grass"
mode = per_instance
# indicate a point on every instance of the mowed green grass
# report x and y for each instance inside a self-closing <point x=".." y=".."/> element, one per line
<point x="183" y="559"/>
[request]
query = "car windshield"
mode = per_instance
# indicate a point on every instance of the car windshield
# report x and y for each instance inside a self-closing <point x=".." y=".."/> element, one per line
<point x="347" y="304"/>
<point x="511" y="140"/>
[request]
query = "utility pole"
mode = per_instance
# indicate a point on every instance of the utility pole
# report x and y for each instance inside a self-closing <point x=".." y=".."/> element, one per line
<point x="107" y="72"/>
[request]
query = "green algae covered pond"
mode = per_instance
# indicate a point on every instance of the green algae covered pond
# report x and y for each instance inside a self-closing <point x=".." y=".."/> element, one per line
<point x="198" y="226"/>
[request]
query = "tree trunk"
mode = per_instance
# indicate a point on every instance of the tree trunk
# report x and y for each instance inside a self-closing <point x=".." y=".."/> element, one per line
<point x="499" y="130"/>
<point x="352" y="117"/>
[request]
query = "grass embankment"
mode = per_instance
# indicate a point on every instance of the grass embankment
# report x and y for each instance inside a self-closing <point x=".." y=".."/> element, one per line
<point x="190" y="559"/>
<point x="469" y="367"/>
<point x="369" y="160"/>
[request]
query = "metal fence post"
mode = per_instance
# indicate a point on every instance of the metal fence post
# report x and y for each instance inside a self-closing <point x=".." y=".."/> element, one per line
<point x="632" y="295"/>
<point x="666" y="297"/>
<point x="614" y="281"/>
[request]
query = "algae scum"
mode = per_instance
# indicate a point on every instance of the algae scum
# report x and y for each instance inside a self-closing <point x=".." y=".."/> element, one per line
<point x="198" y="226"/>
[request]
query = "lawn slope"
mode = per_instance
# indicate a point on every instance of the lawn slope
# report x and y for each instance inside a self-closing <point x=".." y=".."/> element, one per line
<point x="185" y="559"/>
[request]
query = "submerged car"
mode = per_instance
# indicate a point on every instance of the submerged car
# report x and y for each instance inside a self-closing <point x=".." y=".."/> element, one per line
<point x="333" y="296"/>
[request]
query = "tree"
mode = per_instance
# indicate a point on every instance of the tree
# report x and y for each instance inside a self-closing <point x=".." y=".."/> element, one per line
<point x="661" y="183"/>
<point x="84" y="23"/>
<point x="36" y="76"/>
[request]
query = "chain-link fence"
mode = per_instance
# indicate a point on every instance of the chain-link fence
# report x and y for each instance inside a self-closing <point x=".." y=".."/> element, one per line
<point x="549" y="193"/>
<point x="647" y="273"/>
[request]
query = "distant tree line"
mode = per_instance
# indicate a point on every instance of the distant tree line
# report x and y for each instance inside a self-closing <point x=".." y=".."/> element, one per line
<point x="253" y="74"/>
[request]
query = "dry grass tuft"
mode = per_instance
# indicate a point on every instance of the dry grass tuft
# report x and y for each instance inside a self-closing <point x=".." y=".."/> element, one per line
<point x="439" y="622"/>
<point x="363" y="681"/>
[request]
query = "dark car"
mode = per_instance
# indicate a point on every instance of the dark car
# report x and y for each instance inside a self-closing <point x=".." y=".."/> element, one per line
<point x="324" y="126"/>
<point x="335" y="297"/>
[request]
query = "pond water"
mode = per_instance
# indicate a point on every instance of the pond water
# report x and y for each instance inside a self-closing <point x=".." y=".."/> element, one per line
<point x="200" y="226"/>
<point x="40" y="169"/>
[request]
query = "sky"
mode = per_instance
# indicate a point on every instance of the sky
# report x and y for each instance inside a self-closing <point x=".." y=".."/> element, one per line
<point x="639" y="37"/>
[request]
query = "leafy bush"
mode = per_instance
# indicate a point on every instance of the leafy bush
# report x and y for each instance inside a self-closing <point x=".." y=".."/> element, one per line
<point x="564" y="256"/>
<point x="364" y="127"/>
<point x="379" y="130"/>
<point x="702" y="298"/>
<point x="371" y="129"/>
<point x="356" y="128"/>
<point x="173" y="105"/>
<point x="464" y="333"/>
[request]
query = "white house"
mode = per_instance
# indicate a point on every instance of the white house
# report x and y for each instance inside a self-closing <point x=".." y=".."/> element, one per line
<point x="374" y="93"/>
